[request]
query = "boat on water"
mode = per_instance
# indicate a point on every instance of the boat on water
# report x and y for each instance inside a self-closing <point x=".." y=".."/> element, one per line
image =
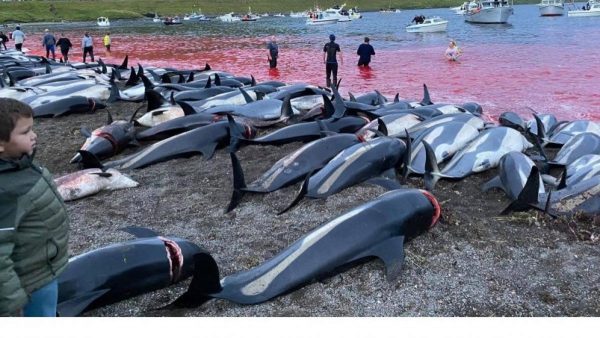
<point x="490" y="11"/>
<point x="592" y="8"/>
<point x="551" y="7"/>
<point x="299" y="14"/>
<point x="195" y="17"/>
<point x="250" y="16"/>
<point x="279" y="15"/>
<point x="462" y="9"/>
<point x="318" y="18"/>
<point x="103" y="21"/>
<point x="229" y="17"/>
<point x="429" y="25"/>
<point x="156" y="18"/>
<point x="172" y="21"/>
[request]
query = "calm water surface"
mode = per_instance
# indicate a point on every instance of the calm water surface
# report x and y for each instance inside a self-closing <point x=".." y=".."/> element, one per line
<point x="550" y="64"/>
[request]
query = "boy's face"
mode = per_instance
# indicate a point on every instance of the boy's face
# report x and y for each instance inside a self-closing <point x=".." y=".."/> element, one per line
<point x="22" y="140"/>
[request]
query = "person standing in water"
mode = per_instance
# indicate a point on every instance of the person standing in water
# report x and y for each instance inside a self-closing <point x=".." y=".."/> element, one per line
<point x="48" y="42"/>
<point x="106" y="41"/>
<point x="19" y="37"/>
<point x="453" y="52"/>
<point x="273" y="52"/>
<point x="365" y="50"/>
<point x="87" y="44"/>
<point x="64" y="44"/>
<point x="3" y="40"/>
<point x="329" y="58"/>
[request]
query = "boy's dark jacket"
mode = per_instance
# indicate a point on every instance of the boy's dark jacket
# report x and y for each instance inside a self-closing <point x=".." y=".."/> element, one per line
<point x="33" y="232"/>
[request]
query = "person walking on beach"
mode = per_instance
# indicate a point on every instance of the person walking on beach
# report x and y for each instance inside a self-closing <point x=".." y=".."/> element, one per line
<point x="64" y="44"/>
<point x="365" y="50"/>
<point x="48" y="42"/>
<point x="106" y="41"/>
<point x="18" y="37"/>
<point x="330" y="51"/>
<point x="34" y="226"/>
<point x="87" y="44"/>
<point x="3" y="40"/>
<point x="273" y="52"/>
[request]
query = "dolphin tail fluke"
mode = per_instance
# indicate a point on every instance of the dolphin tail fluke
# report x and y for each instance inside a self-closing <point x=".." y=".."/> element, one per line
<point x="239" y="183"/>
<point x="300" y="196"/>
<point x="432" y="171"/>
<point x="426" y="98"/>
<point x="206" y="281"/>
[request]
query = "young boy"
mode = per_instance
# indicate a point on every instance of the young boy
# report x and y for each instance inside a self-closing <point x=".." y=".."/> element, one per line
<point x="33" y="220"/>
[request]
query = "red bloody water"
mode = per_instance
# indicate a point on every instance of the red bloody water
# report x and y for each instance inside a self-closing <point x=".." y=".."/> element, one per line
<point x="501" y="77"/>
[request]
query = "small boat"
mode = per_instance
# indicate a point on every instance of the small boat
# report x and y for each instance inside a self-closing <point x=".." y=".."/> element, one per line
<point x="103" y="21"/>
<point x="319" y="18"/>
<point x="279" y="15"/>
<point x="490" y="11"/>
<point x="250" y="16"/>
<point x="466" y="6"/>
<point x="551" y="7"/>
<point x="339" y="13"/>
<point x="591" y="9"/>
<point x="172" y="21"/>
<point x="429" y="25"/>
<point x="229" y="17"/>
<point x="299" y="14"/>
<point x="156" y="18"/>
<point x="195" y="17"/>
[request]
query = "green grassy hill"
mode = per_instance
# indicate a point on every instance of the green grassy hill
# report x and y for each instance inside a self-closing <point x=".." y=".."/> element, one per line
<point x="85" y="10"/>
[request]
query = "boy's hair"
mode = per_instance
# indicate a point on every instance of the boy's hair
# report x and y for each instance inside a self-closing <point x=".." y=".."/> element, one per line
<point x="10" y="111"/>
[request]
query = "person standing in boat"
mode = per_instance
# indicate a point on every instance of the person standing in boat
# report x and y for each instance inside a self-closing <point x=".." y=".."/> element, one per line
<point x="87" y="44"/>
<point x="365" y="50"/>
<point x="19" y="37"/>
<point x="453" y="52"/>
<point x="273" y="52"/>
<point x="64" y="44"/>
<point x="330" y="51"/>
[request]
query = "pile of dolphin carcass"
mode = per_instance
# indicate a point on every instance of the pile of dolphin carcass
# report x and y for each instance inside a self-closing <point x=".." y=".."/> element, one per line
<point x="346" y="142"/>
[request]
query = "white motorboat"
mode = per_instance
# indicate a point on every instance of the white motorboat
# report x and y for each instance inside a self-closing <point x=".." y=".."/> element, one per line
<point x="195" y="17"/>
<point x="591" y="9"/>
<point x="551" y="7"/>
<point x="156" y="18"/>
<point x="490" y="11"/>
<point x="320" y="19"/>
<point x="172" y="21"/>
<point x="279" y="15"/>
<point x="103" y="21"/>
<point x="299" y="14"/>
<point x="462" y="9"/>
<point x="429" y="25"/>
<point x="229" y="17"/>
<point x="339" y="13"/>
<point x="250" y="16"/>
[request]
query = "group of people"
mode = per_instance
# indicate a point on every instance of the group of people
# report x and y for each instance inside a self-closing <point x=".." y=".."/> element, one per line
<point x="364" y="51"/>
<point x="49" y="42"/>
<point x="418" y="19"/>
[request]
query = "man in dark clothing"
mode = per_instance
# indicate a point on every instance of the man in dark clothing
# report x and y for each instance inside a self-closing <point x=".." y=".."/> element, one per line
<point x="329" y="58"/>
<point x="65" y="45"/>
<point x="3" y="39"/>
<point x="48" y="42"/>
<point x="273" y="52"/>
<point x="365" y="50"/>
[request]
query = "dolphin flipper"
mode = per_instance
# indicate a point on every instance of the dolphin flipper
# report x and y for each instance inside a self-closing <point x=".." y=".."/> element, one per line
<point x="77" y="305"/>
<point x="493" y="183"/>
<point x="140" y="232"/>
<point x="391" y="252"/>
<point x="300" y="195"/>
<point x="238" y="183"/>
<point x="208" y="150"/>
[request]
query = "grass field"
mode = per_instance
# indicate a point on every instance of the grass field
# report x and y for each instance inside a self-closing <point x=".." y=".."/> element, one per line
<point x="82" y="10"/>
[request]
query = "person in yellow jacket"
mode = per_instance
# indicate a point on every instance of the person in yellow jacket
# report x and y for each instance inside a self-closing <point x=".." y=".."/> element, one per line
<point x="107" y="42"/>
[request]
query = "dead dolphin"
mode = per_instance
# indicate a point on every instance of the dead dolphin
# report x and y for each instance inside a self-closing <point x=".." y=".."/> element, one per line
<point x="123" y="270"/>
<point x="378" y="228"/>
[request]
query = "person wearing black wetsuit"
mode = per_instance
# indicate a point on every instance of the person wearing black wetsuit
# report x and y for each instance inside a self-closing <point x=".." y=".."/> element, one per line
<point x="330" y="51"/>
